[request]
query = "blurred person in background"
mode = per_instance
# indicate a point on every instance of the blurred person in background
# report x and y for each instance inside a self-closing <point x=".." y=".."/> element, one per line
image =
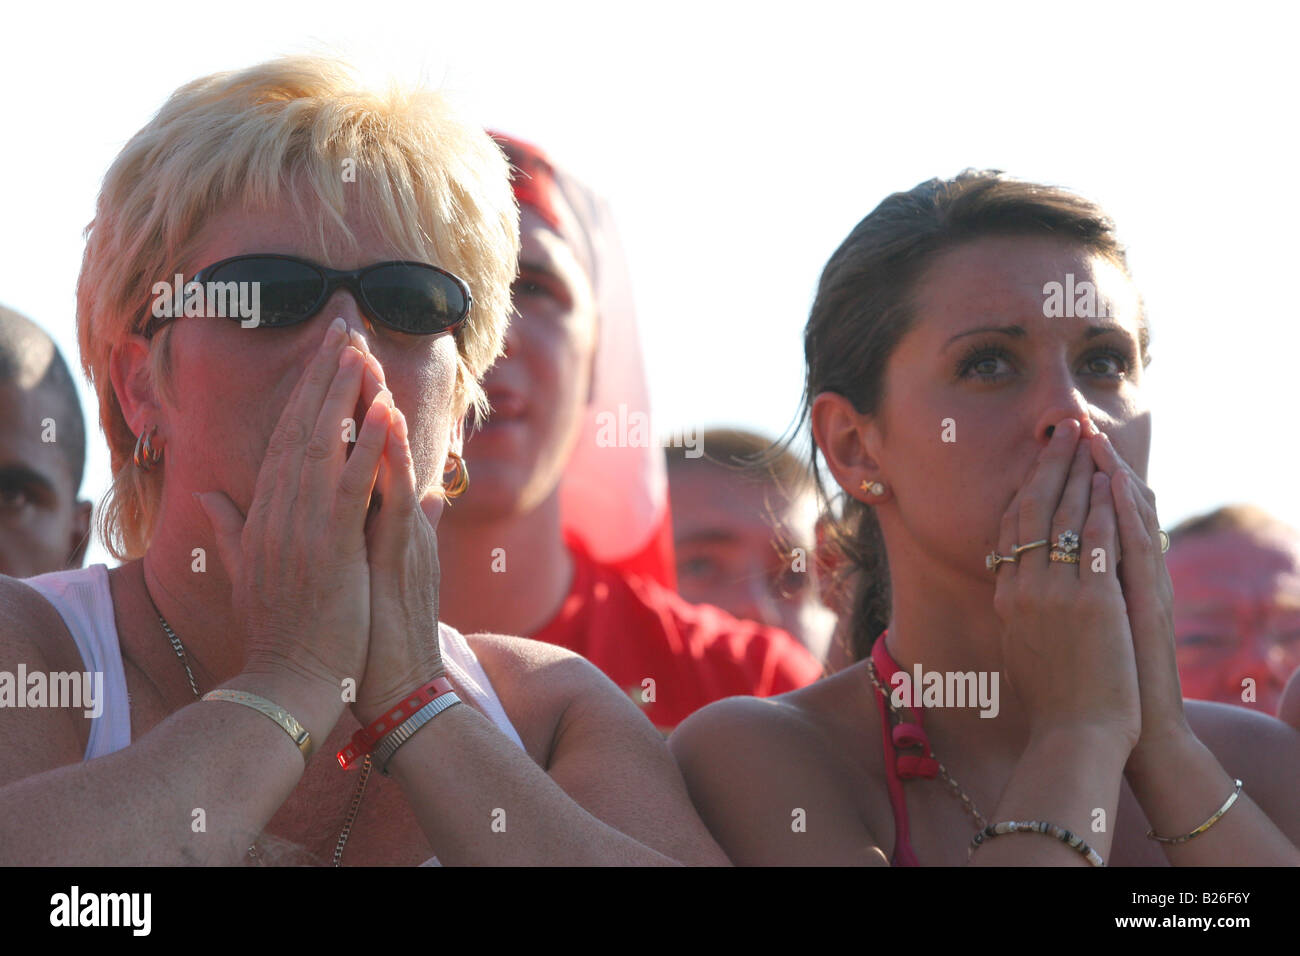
<point x="1236" y="576"/>
<point x="564" y="533"/>
<point x="1289" y="710"/>
<point x="43" y="525"/>
<point x="745" y="537"/>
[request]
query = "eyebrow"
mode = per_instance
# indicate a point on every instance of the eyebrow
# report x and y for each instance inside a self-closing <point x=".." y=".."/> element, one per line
<point x="532" y="265"/>
<point x="22" y="475"/>
<point x="1019" y="332"/>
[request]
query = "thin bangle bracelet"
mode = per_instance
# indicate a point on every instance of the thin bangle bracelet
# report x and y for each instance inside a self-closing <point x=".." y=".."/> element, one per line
<point x="283" y="719"/>
<point x="1151" y="834"/>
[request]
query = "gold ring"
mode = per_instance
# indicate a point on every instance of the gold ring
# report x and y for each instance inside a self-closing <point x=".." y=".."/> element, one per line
<point x="1026" y="547"/>
<point x="993" y="559"/>
<point x="1063" y="557"/>
<point x="1164" y="541"/>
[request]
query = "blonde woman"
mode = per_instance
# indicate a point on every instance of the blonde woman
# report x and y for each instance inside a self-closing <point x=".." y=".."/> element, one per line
<point x="270" y="460"/>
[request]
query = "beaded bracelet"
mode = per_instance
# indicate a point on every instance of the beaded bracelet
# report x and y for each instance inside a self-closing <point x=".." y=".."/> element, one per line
<point x="1151" y="834"/>
<point x="1036" y="826"/>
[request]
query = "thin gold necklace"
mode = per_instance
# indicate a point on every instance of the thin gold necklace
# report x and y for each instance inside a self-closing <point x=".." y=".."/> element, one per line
<point x="355" y="807"/>
<point x="956" y="790"/>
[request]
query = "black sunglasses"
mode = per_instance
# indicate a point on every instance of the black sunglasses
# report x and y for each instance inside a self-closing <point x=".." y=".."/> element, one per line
<point x="411" y="297"/>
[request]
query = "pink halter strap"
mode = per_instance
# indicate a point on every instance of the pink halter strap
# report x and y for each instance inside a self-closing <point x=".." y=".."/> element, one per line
<point x="901" y="766"/>
<point x="906" y="735"/>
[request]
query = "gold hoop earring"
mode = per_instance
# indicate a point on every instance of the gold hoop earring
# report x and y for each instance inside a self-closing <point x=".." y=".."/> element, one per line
<point x="146" y="455"/>
<point x="461" y="481"/>
<point x="873" y="488"/>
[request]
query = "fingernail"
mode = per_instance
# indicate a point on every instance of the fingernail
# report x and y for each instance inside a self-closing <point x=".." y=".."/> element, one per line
<point x="334" y="336"/>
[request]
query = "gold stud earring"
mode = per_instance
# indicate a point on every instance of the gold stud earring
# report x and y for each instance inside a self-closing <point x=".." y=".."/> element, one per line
<point x="873" y="487"/>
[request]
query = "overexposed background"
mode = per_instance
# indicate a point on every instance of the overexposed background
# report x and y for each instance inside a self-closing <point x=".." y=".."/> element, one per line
<point x="739" y="143"/>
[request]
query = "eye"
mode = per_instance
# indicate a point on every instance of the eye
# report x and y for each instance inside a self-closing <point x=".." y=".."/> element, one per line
<point x="1108" y="363"/>
<point x="1197" y="641"/>
<point x="541" y="289"/>
<point x="528" y="287"/>
<point x="984" y="362"/>
<point x="14" y="496"/>
<point x="698" y="567"/>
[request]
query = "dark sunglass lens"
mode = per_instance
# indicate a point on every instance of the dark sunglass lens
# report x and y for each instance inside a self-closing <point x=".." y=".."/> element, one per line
<point x="413" y="298"/>
<point x="286" y="290"/>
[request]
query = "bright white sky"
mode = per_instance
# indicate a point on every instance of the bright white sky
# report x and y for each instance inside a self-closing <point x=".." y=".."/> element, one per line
<point x="739" y="143"/>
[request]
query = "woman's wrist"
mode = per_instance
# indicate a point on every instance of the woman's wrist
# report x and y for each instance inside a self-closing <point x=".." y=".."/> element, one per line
<point x="368" y="708"/>
<point x="1106" y="739"/>
<point x="1162" y="752"/>
<point x="314" y="703"/>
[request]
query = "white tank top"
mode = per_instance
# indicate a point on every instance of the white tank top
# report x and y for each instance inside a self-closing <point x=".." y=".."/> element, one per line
<point x="85" y="603"/>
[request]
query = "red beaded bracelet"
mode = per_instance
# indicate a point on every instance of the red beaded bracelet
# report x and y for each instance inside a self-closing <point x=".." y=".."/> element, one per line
<point x="364" y="740"/>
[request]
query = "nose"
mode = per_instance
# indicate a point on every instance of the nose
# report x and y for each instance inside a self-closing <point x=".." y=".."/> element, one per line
<point x="1256" y="663"/>
<point x="1063" y="401"/>
<point x="343" y="303"/>
<point x="754" y="603"/>
<point x="1276" y="656"/>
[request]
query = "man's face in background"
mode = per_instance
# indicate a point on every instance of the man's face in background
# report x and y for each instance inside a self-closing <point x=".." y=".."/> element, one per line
<point x="43" y="527"/>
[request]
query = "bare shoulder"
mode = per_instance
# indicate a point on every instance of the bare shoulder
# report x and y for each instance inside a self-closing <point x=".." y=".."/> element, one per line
<point x="1261" y="751"/>
<point x="543" y="686"/>
<point x="545" y="673"/>
<point x="779" y="780"/>
<point x="25" y="612"/>
<point x="34" y="639"/>
<point x="824" y="716"/>
<point x="508" y="659"/>
<point x="29" y="625"/>
<point x="595" y="744"/>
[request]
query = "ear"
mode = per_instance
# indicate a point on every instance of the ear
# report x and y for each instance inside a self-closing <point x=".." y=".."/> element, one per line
<point x="79" y="539"/>
<point x="847" y="440"/>
<point x="128" y="369"/>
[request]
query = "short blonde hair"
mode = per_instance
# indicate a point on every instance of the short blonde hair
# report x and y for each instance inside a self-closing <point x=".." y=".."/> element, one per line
<point x="439" y="189"/>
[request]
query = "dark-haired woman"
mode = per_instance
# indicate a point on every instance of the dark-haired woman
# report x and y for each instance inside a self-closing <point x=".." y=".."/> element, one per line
<point x="975" y="357"/>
